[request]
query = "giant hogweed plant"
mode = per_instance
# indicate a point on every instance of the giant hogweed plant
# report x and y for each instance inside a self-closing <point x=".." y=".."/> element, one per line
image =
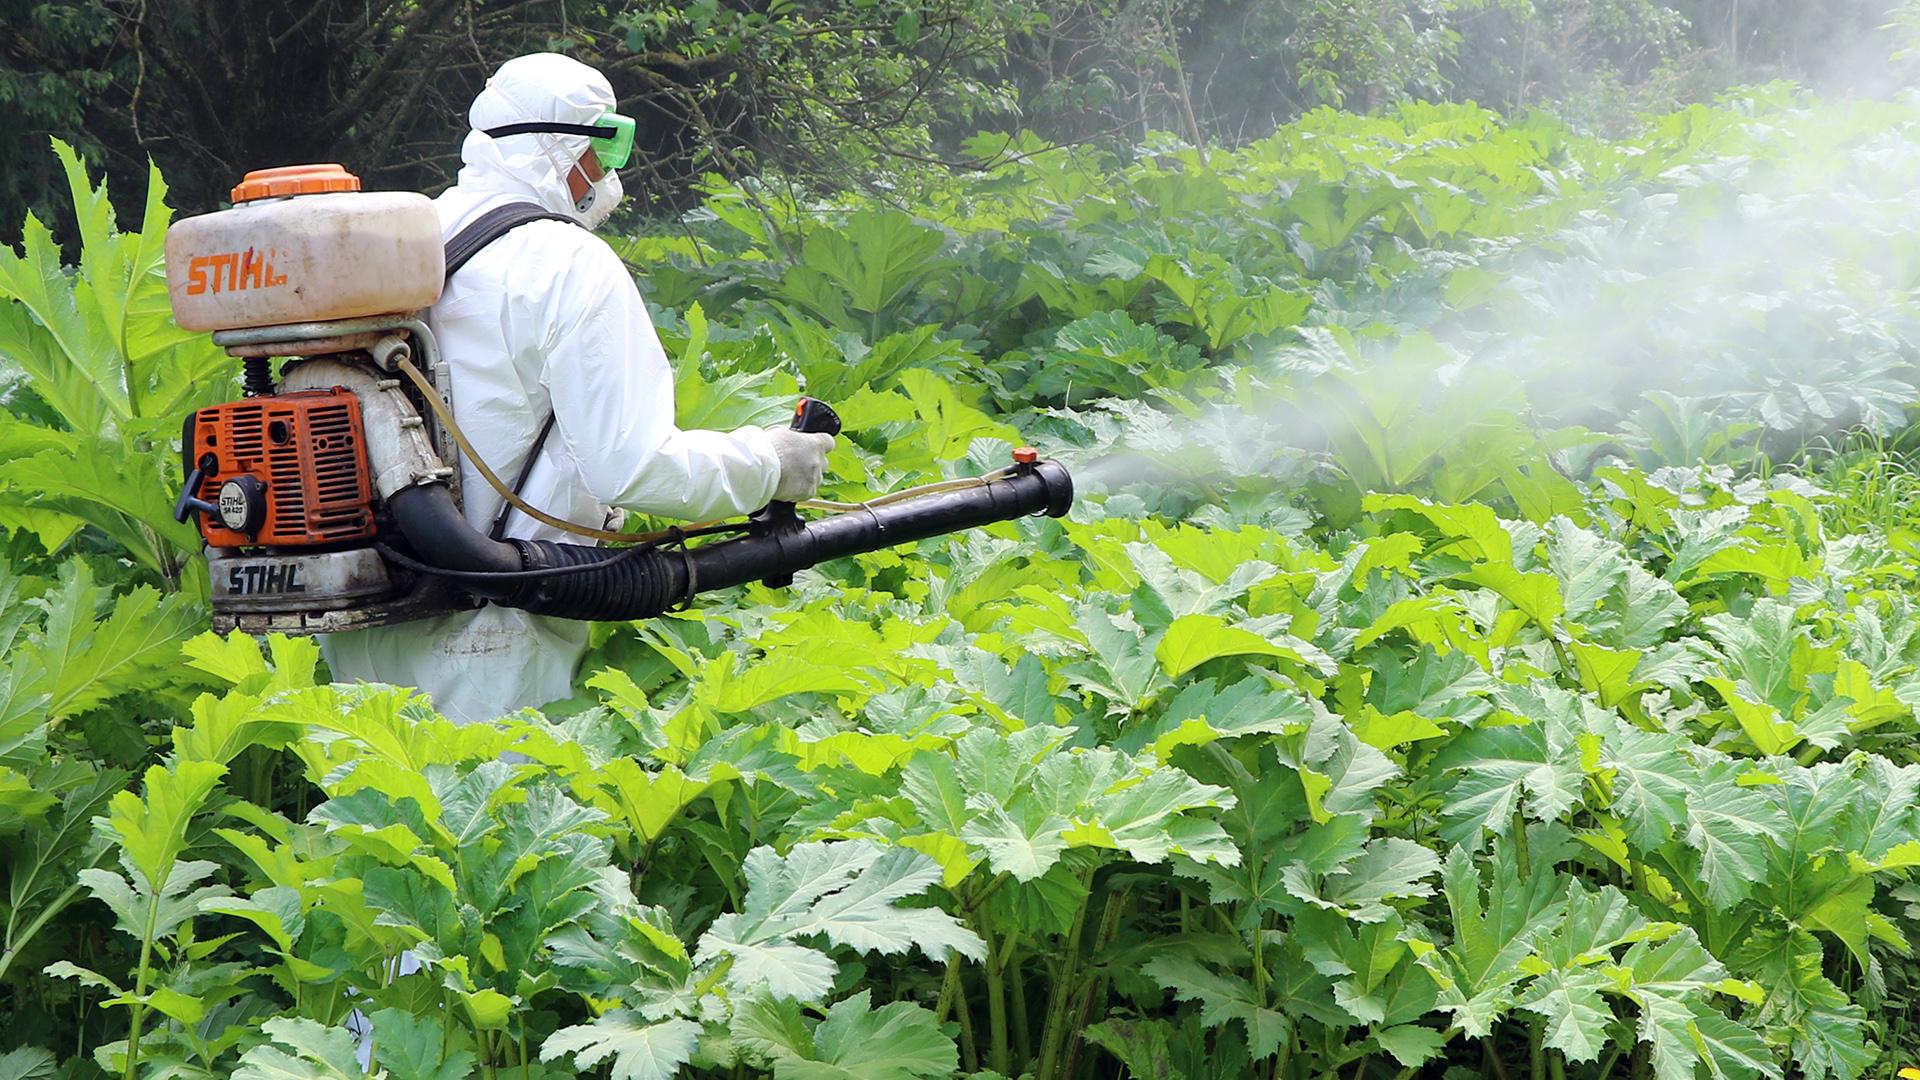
<point x="96" y="378"/>
<point x="1730" y="283"/>
<point x="1555" y="691"/>
<point x="1345" y="773"/>
<point x="1626" y="791"/>
<point x="80" y="668"/>
<point x="498" y="878"/>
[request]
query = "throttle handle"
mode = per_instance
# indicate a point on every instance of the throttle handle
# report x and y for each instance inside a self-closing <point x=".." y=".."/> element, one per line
<point x="815" y="416"/>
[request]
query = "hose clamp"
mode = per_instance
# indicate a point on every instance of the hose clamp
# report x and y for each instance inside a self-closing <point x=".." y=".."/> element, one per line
<point x="677" y="538"/>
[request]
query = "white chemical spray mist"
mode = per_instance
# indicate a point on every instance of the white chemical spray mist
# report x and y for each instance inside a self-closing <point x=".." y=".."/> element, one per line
<point x="1749" y="281"/>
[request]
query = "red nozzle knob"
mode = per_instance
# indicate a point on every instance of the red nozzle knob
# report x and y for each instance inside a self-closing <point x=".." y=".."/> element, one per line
<point x="1025" y="455"/>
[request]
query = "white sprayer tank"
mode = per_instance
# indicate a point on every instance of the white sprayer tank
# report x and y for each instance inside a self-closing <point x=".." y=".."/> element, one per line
<point x="304" y="244"/>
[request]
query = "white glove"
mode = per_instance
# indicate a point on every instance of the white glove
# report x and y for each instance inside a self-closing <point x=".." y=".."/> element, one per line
<point x="803" y="462"/>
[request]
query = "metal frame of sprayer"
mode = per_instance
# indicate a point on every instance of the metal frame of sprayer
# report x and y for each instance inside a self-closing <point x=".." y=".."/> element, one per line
<point x="299" y="591"/>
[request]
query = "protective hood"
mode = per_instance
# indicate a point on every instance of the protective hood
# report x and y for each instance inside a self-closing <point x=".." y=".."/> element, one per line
<point x="539" y="86"/>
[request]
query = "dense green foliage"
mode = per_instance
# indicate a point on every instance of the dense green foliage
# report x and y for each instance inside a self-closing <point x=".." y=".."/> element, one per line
<point x="1470" y="653"/>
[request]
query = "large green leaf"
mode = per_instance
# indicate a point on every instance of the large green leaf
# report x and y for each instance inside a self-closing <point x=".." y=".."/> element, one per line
<point x="98" y="345"/>
<point x="1193" y="640"/>
<point x="1652" y="779"/>
<point x="43" y="862"/>
<point x="26" y="1063"/>
<point x="1576" y="1015"/>
<point x="1140" y="1045"/>
<point x="152" y="827"/>
<point x="86" y="660"/>
<point x="847" y="892"/>
<point x="1024" y="842"/>
<point x="874" y="258"/>
<point x="1728" y="827"/>
<point x="639" y="1049"/>
<point x="141" y="907"/>
<point x="1388" y="869"/>
<point x="1533" y="768"/>
<point x="1827" y="1032"/>
<point x="415" y="1048"/>
<point x="1671" y="982"/>
<point x="318" y="1053"/>
<point x="1497" y="916"/>
<point x="1223" y="999"/>
<point x="898" y="1041"/>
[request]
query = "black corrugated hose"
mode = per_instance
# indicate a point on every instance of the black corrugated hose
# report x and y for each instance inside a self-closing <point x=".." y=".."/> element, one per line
<point x="607" y="584"/>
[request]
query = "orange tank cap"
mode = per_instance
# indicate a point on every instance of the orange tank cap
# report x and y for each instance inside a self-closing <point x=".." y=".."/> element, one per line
<point x="295" y="180"/>
<point x="1026" y="455"/>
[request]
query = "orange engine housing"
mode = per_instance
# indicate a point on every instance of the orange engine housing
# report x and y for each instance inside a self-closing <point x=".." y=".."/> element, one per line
<point x="309" y="451"/>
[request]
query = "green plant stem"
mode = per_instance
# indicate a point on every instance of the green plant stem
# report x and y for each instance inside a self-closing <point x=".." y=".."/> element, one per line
<point x="1638" y="870"/>
<point x="526" y="1072"/>
<point x="1053" y="1033"/>
<point x="1109" y="926"/>
<point x="1612" y="1059"/>
<point x="1259" y="960"/>
<point x="1491" y="1056"/>
<point x="260" y="777"/>
<point x="139" y="1011"/>
<point x="996" y="1008"/>
<point x="949" y="988"/>
<point x="1536" y="1051"/>
<point x="713" y="978"/>
<point x="128" y="375"/>
<point x="1568" y="669"/>
<point x="979" y="896"/>
<point x="969" y="1046"/>
<point x="39" y="923"/>
<point x="1022" y="1022"/>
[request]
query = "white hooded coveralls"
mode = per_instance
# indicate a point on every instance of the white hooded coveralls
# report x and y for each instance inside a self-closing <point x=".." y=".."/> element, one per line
<point x="547" y="318"/>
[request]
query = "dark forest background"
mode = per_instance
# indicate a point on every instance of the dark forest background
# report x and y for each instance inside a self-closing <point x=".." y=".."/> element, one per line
<point x="832" y="93"/>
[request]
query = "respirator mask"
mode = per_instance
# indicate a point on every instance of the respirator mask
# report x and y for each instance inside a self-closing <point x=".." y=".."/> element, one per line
<point x="611" y="139"/>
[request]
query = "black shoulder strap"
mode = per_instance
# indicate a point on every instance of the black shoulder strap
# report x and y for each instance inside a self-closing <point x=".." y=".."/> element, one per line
<point x="491" y="226"/>
<point x="467" y="243"/>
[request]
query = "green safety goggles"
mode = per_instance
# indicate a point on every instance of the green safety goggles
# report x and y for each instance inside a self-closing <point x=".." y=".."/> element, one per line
<point x="611" y="136"/>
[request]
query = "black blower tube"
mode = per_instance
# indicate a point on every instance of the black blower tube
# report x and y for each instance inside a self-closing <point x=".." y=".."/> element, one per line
<point x="625" y="584"/>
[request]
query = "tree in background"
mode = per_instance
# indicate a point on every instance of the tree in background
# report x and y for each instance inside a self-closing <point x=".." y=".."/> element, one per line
<point x="833" y="93"/>
<point x="212" y="88"/>
<point x="1232" y="70"/>
<point x="54" y="61"/>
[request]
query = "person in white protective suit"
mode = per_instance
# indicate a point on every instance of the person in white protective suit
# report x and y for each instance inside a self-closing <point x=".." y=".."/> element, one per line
<point x="543" y="320"/>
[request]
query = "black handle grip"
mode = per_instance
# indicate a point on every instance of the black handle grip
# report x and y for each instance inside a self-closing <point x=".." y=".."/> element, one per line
<point x="816" y="416"/>
<point x="190" y="504"/>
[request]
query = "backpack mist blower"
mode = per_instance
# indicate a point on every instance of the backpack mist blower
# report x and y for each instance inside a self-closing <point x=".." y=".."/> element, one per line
<point x="326" y="496"/>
